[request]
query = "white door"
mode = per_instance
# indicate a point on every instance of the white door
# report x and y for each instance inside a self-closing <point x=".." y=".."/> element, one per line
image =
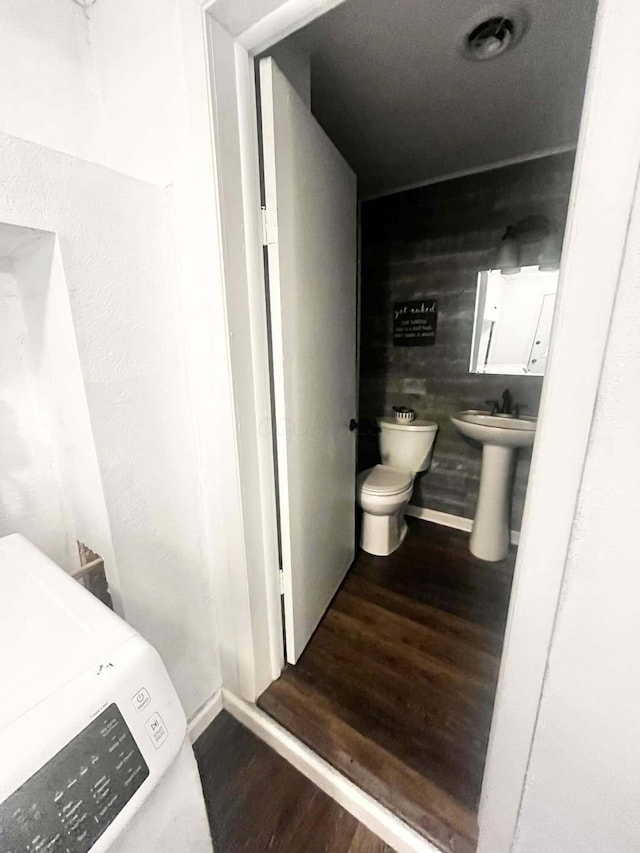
<point x="311" y="203"/>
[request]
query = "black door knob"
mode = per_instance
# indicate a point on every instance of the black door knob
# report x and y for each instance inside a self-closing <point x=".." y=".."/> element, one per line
<point x="353" y="424"/>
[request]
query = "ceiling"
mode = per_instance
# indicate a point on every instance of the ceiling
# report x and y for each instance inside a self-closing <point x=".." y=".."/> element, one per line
<point x="404" y="106"/>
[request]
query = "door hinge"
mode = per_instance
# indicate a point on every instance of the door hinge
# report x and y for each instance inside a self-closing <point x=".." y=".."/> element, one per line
<point x="263" y="211"/>
<point x="281" y="579"/>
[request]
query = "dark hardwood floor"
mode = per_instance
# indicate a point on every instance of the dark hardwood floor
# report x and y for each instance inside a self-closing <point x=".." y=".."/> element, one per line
<point x="396" y="686"/>
<point x="257" y="801"/>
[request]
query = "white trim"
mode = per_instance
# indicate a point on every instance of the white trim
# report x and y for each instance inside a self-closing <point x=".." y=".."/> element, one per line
<point x="288" y="17"/>
<point x="476" y="170"/>
<point x="365" y="808"/>
<point x="250" y="616"/>
<point x="446" y="519"/>
<point x="264" y="512"/>
<point x="277" y="347"/>
<point x="204" y="716"/>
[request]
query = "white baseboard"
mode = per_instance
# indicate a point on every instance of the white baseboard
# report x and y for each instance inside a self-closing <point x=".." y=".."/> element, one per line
<point x="205" y="715"/>
<point x="363" y="807"/>
<point x="447" y="520"/>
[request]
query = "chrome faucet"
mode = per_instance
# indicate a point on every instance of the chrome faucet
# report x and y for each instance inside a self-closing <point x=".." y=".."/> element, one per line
<point x="506" y="407"/>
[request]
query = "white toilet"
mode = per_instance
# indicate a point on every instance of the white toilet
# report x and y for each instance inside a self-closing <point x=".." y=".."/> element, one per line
<point x="384" y="490"/>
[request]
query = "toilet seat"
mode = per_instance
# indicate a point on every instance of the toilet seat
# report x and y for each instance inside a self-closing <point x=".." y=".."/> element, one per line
<point x="384" y="480"/>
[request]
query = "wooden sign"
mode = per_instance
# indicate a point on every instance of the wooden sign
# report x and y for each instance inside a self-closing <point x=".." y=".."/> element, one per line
<point x="414" y="323"/>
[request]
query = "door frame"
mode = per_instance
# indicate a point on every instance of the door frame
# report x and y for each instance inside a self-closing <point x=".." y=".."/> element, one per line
<point x="601" y="203"/>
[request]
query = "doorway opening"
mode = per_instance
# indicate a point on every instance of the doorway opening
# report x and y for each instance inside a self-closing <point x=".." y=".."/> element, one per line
<point x="453" y="153"/>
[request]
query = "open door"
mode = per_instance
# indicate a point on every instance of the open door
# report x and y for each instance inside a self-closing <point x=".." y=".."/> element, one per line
<point x="311" y="203"/>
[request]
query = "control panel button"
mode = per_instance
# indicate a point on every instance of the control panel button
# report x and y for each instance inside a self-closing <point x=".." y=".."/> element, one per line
<point x="141" y="699"/>
<point x="156" y="730"/>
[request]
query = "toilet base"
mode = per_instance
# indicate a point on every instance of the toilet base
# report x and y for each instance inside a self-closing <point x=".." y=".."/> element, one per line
<point x="381" y="535"/>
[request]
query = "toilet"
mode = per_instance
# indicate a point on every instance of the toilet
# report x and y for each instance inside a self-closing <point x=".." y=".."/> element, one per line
<point x="385" y="490"/>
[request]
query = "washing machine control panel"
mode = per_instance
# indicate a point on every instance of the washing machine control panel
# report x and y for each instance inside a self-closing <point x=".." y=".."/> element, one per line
<point x="66" y="805"/>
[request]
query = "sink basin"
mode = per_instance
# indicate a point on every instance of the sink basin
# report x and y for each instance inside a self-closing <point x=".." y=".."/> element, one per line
<point x="501" y="430"/>
<point x="500" y="436"/>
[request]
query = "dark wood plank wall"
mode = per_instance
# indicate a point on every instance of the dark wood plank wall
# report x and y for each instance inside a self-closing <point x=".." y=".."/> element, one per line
<point x="431" y="242"/>
<point x="256" y="801"/>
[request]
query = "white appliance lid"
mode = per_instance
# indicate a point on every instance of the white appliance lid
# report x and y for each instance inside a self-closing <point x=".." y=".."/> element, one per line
<point x="51" y="628"/>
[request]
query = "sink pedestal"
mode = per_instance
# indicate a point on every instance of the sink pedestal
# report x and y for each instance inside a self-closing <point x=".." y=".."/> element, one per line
<point x="490" y="535"/>
<point x="501" y="436"/>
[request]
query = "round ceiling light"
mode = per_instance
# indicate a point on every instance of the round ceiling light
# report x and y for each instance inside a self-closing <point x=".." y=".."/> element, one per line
<point x="493" y="35"/>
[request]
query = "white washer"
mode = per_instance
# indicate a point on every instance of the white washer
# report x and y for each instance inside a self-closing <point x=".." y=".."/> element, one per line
<point x="92" y="734"/>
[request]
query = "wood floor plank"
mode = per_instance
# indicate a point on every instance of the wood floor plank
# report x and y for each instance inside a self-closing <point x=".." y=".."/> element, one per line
<point x="467" y="634"/>
<point x="314" y="718"/>
<point x="417" y="640"/>
<point x="449" y="753"/>
<point x="435" y="566"/>
<point x="451" y="592"/>
<point x="440" y="696"/>
<point x="396" y="687"/>
<point x="256" y="801"/>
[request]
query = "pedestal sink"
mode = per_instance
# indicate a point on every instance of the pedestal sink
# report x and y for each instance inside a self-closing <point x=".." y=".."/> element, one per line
<point x="500" y="436"/>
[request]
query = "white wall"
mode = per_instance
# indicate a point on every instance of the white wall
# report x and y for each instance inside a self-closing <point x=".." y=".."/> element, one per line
<point x="136" y="52"/>
<point x="123" y="85"/>
<point x="48" y="88"/>
<point x="31" y="498"/>
<point x="583" y="782"/>
<point x="50" y="485"/>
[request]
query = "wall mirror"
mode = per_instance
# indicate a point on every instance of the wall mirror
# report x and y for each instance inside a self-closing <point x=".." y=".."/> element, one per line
<point x="512" y="324"/>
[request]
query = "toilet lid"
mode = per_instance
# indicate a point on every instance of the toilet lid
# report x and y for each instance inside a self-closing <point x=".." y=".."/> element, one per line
<point x="384" y="480"/>
<point x="416" y="425"/>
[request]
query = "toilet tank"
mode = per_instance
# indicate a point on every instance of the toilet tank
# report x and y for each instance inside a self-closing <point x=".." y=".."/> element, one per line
<point x="406" y="446"/>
